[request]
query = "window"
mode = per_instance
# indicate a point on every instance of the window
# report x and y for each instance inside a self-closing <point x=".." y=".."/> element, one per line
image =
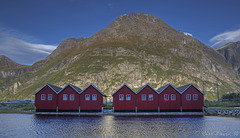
<point x="150" y="97"/>
<point x="188" y="97"/>
<point x="64" y="97"/>
<point x="121" y="97"/>
<point x="72" y="97"/>
<point x="143" y="97"/>
<point x="87" y="97"/>
<point x="50" y="97"/>
<point x="128" y="98"/>
<point x="43" y="96"/>
<point x="166" y="97"/>
<point x="173" y="97"/>
<point x="195" y="97"/>
<point x="94" y="97"/>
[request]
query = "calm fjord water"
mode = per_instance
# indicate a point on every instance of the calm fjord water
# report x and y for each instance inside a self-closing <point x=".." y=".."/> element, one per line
<point x="29" y="125"/>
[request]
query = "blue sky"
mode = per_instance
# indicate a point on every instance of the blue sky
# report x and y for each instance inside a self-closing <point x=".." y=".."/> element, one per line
<point x="32" y="29"/>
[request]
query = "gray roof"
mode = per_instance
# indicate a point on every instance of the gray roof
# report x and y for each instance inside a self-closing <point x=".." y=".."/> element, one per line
<point x="56" y="88"/>
<point x="94" y="88"/>
<point x="77" y="88"/>
<point x="182" y="88"/>
<point x="161" y="88"/>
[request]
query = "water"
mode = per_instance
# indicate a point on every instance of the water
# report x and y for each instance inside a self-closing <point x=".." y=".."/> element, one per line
<point x="29" y="125"/>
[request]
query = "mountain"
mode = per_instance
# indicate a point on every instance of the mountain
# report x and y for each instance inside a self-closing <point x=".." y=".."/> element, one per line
<point x="231" y="52"/>
<point x="6" y="63"/>
<point x="134" y="49"/>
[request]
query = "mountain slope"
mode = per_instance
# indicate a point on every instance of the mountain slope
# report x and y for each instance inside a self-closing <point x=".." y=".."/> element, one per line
<point x="6" y="63"/>
<point x="231" y="52"/>
<point x="135" y="49"/>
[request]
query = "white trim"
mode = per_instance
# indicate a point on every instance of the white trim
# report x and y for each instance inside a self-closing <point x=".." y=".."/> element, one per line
<point x="187" y="97"/>
<point x="166" y="98"/>
<point x="44" y="97"/>
<point x="146" y="86"/>
<point x="194" y="98"/>
<point x="71" y="87"/>
<point x="86" y="97"/>
<point x="145" y="97"/>
<point x="70" y="98"/>
<point x="94" y="88"/>
<point x="174" y="97"/>
<point x="96" y="97"/>
<point x="194" y="87"/>
<point x="123" y="86"/>
<point x="45" y="86"/>
<point x="172" y="87"/>
<point x="127" y="97"/>
<point x="149" y="97"/>
<point x="48" y="97"/>
<point x="121" y="99"/>
<point x="65" y="97"/>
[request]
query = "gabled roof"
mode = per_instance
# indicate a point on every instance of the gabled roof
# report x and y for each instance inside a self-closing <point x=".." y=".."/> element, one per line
<point x="94" y="88"/>
<point x="161" y="89"/>
<point x="146" y="86"/>
<point x="182" y="89"/>
<point x="56" y="89"/>
<point x="123" y="86"/>
<point x="78" y="90"/>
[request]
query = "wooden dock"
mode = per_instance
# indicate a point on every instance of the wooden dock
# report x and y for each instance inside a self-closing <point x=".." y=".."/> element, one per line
<point x="123" y="113"/>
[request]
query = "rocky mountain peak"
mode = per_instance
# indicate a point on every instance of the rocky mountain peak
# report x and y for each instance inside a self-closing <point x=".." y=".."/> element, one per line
<point x="135" y="18"/>
<point x="7" y="63"/>
<point x="231" y="53"/>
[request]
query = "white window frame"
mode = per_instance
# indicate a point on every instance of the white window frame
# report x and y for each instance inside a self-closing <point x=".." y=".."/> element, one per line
<point x="121" y="97"/>
<point x="144" y="97"/>
<point x="173" y="97"/>
<point x="65" y="97"/>
<point x="128" y="97"/>
<point x="188" y="95"/>
<point x="87" y="97"/>
<point x="43" y="98"/>
<point x="94" y="99"/>
<point x="195" y="97"/>
<point x="72" y="97"/>
<point x="166" y="97"/>
<point x="150" y="97"/>
<point x="50" y="95"/>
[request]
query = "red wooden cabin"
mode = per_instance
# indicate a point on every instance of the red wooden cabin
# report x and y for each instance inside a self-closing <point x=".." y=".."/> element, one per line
<point x="92" y="99"/>
<point x="68" y="99"/>
<point x="192" y="98"/>
<point x="169" y="99"/>
<point x="147" y="99"/>
<point x="124" y="99"/>
<point x="46" y="98"/>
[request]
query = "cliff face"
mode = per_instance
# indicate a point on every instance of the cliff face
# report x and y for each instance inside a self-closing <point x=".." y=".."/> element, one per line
<point x="135" y="49"/>
<point x="231" y="52"/>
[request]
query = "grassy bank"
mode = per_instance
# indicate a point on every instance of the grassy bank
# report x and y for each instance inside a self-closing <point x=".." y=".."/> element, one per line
<point x="17" y="107"/>
<point x="221" y="105"/>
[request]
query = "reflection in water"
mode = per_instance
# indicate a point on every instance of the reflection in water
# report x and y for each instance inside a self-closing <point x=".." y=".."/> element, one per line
<point x="22" y="125"/>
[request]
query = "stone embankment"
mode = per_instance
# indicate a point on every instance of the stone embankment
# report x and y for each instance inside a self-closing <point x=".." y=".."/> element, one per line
<point x="223" y="112"/>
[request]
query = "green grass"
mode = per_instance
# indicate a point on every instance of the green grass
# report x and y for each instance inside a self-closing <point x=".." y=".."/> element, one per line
<point x="17" y="108"/>
<point x="221" y="104"/>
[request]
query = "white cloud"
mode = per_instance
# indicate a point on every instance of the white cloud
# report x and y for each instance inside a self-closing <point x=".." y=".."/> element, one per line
<point x="21" y="51"/>
<point x="188" y="34"/>
<point x="223" y="38"/>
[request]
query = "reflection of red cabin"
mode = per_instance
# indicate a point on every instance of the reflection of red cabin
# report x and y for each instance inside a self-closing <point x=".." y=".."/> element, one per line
<point x="46" y="98"/>
<point x="169" y="99"/>
<point x="147" y="99"/>
<point x="124" y="99"/>
<point x="68" y="99"/>
<point x="91" y="99"/>
<point x="192" y="98"/>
